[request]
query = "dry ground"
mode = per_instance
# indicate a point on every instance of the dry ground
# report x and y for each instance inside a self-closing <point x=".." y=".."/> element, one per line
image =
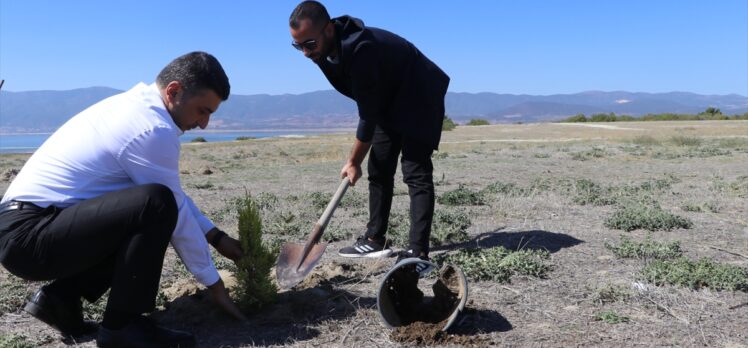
<point x="336" y="306"/>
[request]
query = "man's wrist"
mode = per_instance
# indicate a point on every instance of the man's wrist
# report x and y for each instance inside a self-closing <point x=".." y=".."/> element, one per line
<point x="216" y="239"/>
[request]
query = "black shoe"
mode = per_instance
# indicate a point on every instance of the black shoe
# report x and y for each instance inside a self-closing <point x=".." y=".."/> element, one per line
<point x="63" y="316"/>
<point x="423" y="268"/>
<point x="143" y="332"/>
<point x="364" y="247"/>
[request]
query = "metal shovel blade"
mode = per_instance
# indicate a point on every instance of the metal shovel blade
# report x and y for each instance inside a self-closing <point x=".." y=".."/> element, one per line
<point x="293" y="267"/>
<point x="296" y="260"/>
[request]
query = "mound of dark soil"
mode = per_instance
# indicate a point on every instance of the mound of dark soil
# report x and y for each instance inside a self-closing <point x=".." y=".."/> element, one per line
<point x="422" y="318"/>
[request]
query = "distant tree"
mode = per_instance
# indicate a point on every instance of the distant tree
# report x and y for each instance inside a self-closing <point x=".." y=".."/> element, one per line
<point x="199" y="140"/>
<point x="478" y="122"/>
<point x="576" y="118"/>
<point x="448" y="124"/>
<point x="611" y="117"/>
<point x="712" y="111"/>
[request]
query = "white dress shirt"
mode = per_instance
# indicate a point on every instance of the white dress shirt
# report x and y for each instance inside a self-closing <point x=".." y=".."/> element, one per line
<point x="125" y="140"/>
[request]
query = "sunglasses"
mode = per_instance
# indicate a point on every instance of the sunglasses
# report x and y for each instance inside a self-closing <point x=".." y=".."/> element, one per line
<point x="308" y="44"/>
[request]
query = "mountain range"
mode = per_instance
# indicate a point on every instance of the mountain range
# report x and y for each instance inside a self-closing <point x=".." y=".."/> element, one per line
<point x="40" y="111"/>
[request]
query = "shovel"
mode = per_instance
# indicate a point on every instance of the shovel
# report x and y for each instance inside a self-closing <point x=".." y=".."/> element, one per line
<point x="297" y="260"/>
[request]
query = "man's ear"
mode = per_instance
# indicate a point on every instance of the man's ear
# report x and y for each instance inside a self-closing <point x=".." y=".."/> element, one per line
<point x="173" y="91"/>
<point x="329" y="29"/>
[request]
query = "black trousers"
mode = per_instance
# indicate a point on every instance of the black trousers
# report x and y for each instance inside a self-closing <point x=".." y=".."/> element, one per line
<point x="417" y="174"/>
<point x="117" y="240"/>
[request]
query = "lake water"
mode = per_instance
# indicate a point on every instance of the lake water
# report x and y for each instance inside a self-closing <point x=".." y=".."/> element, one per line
<point x="27" y="143"/>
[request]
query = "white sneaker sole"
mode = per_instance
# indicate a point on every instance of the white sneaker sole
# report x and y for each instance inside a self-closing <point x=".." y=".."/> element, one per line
<point x="372" y="255"/>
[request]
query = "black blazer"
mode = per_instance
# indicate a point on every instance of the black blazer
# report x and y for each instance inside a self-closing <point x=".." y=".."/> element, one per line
<point x="394" y="85"/>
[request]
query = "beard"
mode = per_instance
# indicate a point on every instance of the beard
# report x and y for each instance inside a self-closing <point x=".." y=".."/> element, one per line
<point x="326" y="48"/>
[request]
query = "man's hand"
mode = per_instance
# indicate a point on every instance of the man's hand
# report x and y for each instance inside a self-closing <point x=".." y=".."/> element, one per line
<point x="352" y="168"/>
<point x="220" y="296"/>
<point x="351" y="171"/>
<point x="228" y="247"/>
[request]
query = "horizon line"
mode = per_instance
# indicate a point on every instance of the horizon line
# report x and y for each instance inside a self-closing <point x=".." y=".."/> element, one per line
<point x="448" y="91"/>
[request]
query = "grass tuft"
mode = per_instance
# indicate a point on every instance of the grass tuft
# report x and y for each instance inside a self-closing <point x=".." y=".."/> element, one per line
<point x="648" y="249"/>
<point x="498" y="264"/>
<point x="449" y="227"/>
<point x="13" y="294"/>
<point x="704" y="273"/>
<point x="710" y="207"/>
<point x="589" y="192"/>
<point x="610" y="293"/>
<point x="639" y="215"/>
<point x="682" y="140"/>
<point x="461" y="196"/>
<point x="15" y="341"/>
<point x="645" y="140"/>
<point x="611" y="317"/>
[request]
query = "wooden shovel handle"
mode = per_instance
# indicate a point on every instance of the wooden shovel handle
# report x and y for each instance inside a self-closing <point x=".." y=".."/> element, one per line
<point x="321" y="224"/>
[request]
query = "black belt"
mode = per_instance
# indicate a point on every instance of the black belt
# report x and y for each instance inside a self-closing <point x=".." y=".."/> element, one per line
<point x="16" y="205"/>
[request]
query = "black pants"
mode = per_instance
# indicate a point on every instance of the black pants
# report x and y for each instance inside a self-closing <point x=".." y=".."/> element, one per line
<point x="116" y="240"/>
<point x="417" y="174"/>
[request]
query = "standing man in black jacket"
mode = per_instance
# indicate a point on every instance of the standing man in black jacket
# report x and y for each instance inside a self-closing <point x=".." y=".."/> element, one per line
<point x="400" y="98"/>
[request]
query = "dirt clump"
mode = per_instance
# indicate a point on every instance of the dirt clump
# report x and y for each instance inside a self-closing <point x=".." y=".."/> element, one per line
<point x="427" y="334"/>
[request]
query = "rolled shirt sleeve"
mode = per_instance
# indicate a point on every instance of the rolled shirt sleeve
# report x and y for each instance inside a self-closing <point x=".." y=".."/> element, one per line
<point x="153" y="157"/>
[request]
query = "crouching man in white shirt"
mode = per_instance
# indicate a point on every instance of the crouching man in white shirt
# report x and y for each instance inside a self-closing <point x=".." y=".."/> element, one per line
<point x="95" y="207"/>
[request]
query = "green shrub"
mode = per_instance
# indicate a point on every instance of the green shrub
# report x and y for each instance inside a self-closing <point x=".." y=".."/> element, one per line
<point x="507" y="189"/>
<point x="95" y="311"/>
<point x="639" y="215"/>
<point x="478" y="122"/>
<point x="449" y="227"/>
<point x="461" y="196"/>
<point x="575" y="118"/>
<point x="498" y="263"/>
<point x="611" y="317"/>
<point x="15" y="341"/>
<point x="198" y="140"/>
<point x="398" y="229"/>
<point x="240" y="138"/>
<point x="610" y="293"/>
<point x="318" y="200"/>
<point x="682" y="140"/>
<point x="589" y="192"/>
<point x="648" y="249"/>
<point x="448" y="124"/>
<point x="711" y="207"/>
<point x="611" y="117"/>
<point x="353" y="199"/>
<point x="704" y="273"/>
<point x="205" y="186"/>
<point x="265" y="201"/>
<point x="439" y="155"/>
<point x="739" y="187"/>
<point x="645" y="140"/>
<point x="595" y="152"/>
<point x="255" y="290"/>
<point x="286" y="223"/>
<point x="13" y="294"/>
<point x="732" y="143"/>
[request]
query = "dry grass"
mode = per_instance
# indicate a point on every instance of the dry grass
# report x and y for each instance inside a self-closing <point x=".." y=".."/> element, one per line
<point x="528" y="179"/>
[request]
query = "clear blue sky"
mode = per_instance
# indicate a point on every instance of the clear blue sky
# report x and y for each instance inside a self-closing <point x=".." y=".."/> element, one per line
<point x="517" y="47"/>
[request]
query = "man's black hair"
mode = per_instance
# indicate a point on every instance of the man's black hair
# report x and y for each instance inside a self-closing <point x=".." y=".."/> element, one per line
<point x="311" y="10"/>
<point x="196" y="71"/>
